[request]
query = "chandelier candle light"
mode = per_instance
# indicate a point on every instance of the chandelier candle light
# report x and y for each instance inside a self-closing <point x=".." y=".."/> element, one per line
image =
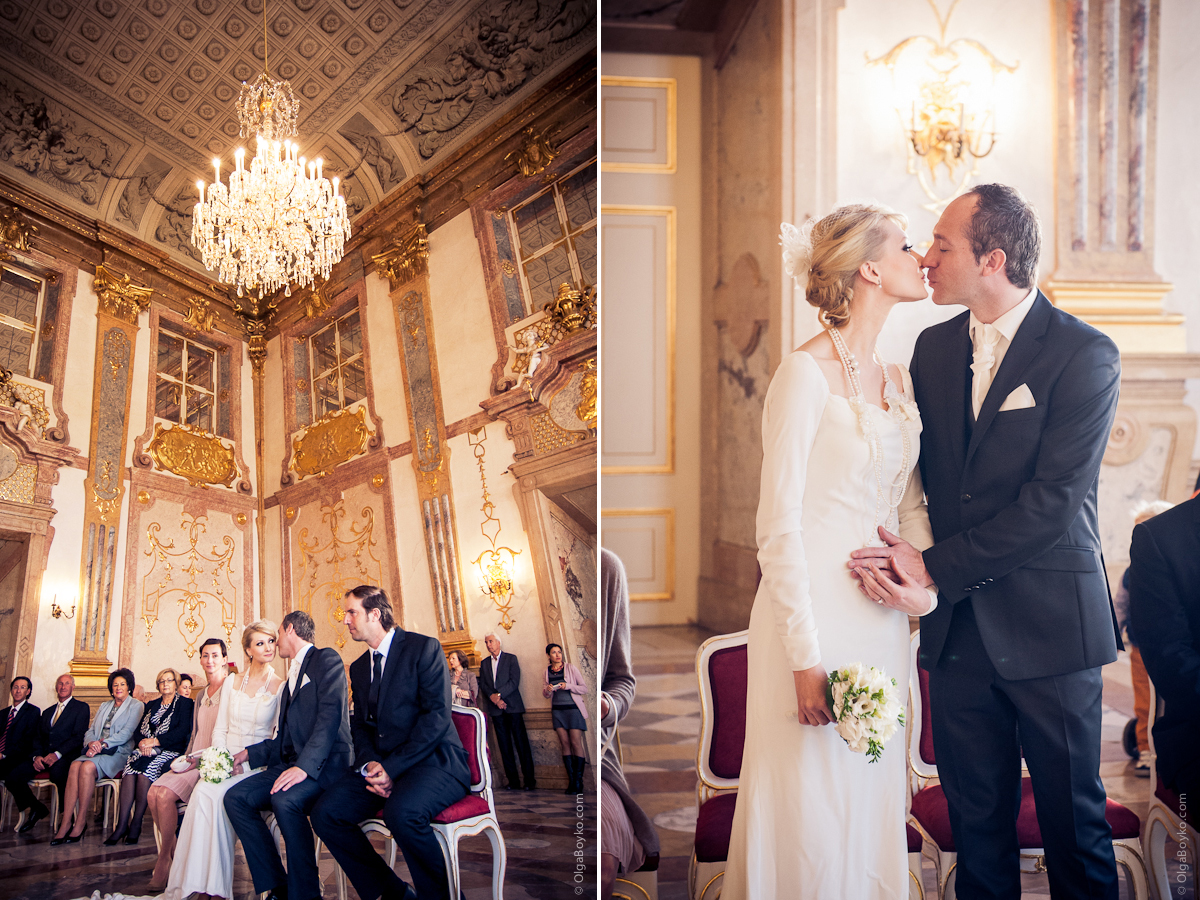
<point x="280" y="222"/>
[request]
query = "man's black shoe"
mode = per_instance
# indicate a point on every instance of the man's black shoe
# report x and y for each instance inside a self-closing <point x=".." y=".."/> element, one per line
<point x="35" y="815"/>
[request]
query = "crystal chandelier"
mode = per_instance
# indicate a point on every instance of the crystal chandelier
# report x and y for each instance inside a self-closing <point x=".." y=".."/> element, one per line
<point x="279" y="222"/>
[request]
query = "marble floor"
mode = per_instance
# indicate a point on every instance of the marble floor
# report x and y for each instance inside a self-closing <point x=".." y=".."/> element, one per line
<point x="542" y="830"/>
<point x="659" y="736"/>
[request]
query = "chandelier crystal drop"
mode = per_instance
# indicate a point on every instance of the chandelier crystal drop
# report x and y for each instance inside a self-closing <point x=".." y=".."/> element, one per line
<point x="280" y="222"/>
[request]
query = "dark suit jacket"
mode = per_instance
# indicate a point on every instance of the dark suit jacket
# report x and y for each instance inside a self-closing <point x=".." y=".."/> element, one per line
<point x="414" y="726"/>
<point x="507" y="682"/>
<point x="314" y="726"/>
<point x="1012" y="498"/>
<point x="18" y="742"/>
<point x="66" y="737"/>
<point x="175" y="732"/>
<point x="1164" y="612"/>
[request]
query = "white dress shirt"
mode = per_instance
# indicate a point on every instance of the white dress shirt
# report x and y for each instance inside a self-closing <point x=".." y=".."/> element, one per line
<point x="1006" y="326"/>
<point x="294" y="669"/>
<point x="384" y="646"/>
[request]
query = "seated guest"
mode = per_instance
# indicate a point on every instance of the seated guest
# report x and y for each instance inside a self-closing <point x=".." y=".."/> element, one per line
<point x="310" y="751"/>
<point x="59" y="741"/>
<point x="177" y="785"/>
<point x="1164" y="606"/>
<point x="107" y="745"/>
<point x="18" y="727"/>
<point x="568" y="712"/>
<point x="166" y="726"/>
<point x="185" y="685"/>
<point x="464" y="686"/>
<point x="408" y="757"/>
<point x="627" y="836"/>
<point x="500" y="690"/>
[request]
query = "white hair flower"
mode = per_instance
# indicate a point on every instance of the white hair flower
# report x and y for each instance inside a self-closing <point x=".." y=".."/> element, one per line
<point x="797" y="248"/>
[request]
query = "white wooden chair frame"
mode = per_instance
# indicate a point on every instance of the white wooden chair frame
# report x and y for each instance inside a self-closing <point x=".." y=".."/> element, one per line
<point x="1162" y="824"/>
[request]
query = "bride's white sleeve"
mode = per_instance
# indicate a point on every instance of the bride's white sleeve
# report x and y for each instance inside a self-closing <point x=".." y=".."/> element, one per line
<point x="792" y="413"/>
<point x="914" y="514"/>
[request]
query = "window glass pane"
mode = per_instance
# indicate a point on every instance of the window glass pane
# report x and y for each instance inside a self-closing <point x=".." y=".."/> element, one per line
<point x="199" y="409"/>
<point x="326" y="388"/>
<point x="324" y="351"/>
<point x="354" y="381"/>
<point x="166" y="400"/>
<point x="351" y="335"/>
<point x="14" y="349"/>
<point x="170" y="355"/>
<point x="585" y="253"/>
<point x="538" y="223"/>
<point x="200" y="367"/>
<point x="18" y="298"/>
<point x="545" y="274"/>
<point x="579" y="196"/>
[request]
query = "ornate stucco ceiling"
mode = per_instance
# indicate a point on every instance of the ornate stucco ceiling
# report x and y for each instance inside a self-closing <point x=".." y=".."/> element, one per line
<point x="114" y="108"/>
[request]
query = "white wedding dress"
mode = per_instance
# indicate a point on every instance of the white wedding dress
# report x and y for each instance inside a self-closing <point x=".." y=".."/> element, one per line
<point x="814" y="819"/>
<point x="204" y="854"/>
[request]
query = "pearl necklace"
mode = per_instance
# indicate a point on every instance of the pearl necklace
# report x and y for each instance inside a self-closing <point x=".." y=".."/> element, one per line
<point x="892" y="496"/>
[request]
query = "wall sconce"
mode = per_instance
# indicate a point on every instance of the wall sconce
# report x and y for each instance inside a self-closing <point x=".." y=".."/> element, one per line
<point x="497" y="565"/>
<point x="56" y="611"/>
<point x="944" y="95"/>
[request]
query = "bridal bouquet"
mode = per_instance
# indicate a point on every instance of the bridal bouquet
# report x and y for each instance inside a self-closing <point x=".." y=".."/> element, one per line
<point x="216" y="764"/>
<point x="866" y="708"/>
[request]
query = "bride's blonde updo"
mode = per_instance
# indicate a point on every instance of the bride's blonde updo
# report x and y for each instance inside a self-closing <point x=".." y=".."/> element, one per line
<point x="828" y="252"/>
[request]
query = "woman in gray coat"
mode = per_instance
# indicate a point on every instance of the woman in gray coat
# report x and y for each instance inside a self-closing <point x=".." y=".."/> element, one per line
<point x="106" y="748"/>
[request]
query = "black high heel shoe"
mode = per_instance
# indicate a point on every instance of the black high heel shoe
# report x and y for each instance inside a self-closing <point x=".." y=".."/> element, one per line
<point x="115" y="838"/>
<point x="133" y="837"/>
<point x="70" y="838"/>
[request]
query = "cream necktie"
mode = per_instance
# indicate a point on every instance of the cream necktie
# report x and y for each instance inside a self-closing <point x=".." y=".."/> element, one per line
<point x="57" y="713"/>
<point x="984" y="339"/>
<point x="293" y="670"/>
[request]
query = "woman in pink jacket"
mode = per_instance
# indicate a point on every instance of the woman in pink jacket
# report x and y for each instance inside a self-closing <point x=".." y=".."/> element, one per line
<point x="565" y="684"/>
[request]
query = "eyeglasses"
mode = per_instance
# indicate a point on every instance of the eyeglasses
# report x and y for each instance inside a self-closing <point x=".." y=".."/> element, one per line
<point x="166" y="681"/>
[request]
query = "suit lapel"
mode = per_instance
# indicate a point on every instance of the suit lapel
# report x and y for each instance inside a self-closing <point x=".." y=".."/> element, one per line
<point x="1026" y="345"/>
<point x="958" y="360"/>
<point x="391" y="663"/>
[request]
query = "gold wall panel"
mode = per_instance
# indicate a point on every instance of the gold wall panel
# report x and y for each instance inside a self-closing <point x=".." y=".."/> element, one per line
<point x="330" y="441"/>
<point x="193" y="453"/>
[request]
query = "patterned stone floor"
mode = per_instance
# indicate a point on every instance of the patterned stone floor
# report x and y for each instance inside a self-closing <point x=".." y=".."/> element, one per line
<point x="659" y="737"/>
<point x="542" y="830"/>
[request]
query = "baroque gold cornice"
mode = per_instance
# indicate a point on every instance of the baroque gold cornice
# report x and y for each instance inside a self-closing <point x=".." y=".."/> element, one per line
<point x="404" y="256"/>
<point x="15" y="232"/>
<point x="119" y="296"/>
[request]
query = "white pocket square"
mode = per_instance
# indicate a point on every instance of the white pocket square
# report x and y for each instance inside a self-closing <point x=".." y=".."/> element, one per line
<point x="307" y="680"/>
<point x="1021" y="398"/>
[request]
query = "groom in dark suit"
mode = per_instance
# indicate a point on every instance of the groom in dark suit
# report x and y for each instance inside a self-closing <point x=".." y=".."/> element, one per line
<point x="1017" y="400"/>
<point x="1164" y="609"/>
<point x="408" y="758"/>
<point x="310" y="751"/>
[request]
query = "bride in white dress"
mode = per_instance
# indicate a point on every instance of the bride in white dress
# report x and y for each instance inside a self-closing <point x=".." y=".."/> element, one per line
<point x="841" y="436"/>
<point x="249" y="707"/>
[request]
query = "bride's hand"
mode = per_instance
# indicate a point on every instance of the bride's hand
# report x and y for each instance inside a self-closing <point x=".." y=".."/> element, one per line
<point x="811" y="703"/>
<point x="903" y="593"/>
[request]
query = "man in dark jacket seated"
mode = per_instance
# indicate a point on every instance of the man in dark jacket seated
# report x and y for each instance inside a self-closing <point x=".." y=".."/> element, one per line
<point x="408" y="759"/>
<point x="1164" y="607"/>
<point x="59" y="740"/>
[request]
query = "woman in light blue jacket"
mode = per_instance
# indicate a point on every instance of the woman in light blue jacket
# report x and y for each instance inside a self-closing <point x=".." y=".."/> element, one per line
<point x="106" y="748"/>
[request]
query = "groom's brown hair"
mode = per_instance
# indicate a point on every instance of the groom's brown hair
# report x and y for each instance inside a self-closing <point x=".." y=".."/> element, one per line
<point x="1005" y="220"/>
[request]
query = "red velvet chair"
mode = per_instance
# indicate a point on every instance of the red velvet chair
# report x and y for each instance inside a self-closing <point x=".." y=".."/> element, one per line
<point x="931" y="817"/>
<point x="1165" y="821"/>
<point x="721" y="668"/>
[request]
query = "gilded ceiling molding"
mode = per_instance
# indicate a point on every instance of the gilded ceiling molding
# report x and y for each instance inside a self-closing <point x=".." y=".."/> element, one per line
<point x="405" y="256"/>
<point x="535" y="154"/>
<point x="119" y="297"/>
<point x="192" y="453"/>
<point x="15" y="232"/>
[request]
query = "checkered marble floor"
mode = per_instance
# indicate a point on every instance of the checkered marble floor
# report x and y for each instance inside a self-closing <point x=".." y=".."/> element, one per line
<point x="659" y="737"/>
<point x="540" y="831"/>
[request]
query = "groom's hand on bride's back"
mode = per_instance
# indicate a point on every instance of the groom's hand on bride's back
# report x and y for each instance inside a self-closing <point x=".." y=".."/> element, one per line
<point x="906" y="555"/>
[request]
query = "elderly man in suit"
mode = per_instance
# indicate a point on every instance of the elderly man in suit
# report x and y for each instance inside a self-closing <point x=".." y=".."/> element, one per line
<point x="310" y="751"/>
<point x="1164" y="610"/>
<point x="58" y="742"/>
<point x="408" y="758"/>
<point x="500" y="691"/>
<point x="1017" y="399"/>
<point x="18" y="727"/>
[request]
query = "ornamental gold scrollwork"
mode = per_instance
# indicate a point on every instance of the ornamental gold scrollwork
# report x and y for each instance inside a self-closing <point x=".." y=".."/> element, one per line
<point x="535" y="153"/>
<point x="119" y="297"/>
<point x="333" y="561"/>
<point x="586" y="409"/>
<point x="26" y="399"/>
<point x="331" y="440"/>
<point x="405" y="256"/>
<point x="193" y="453"/>
<point x="106" y="507"/>
<point x="15" y="232"/>
<point x="200" y="314"/>
<point x="159" y="585"/>
<point x="572" y="308"/>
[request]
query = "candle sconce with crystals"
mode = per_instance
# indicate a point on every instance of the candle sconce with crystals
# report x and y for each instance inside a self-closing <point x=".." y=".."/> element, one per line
<point x="497" y="565"/>
<point x="945" y="97"/>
